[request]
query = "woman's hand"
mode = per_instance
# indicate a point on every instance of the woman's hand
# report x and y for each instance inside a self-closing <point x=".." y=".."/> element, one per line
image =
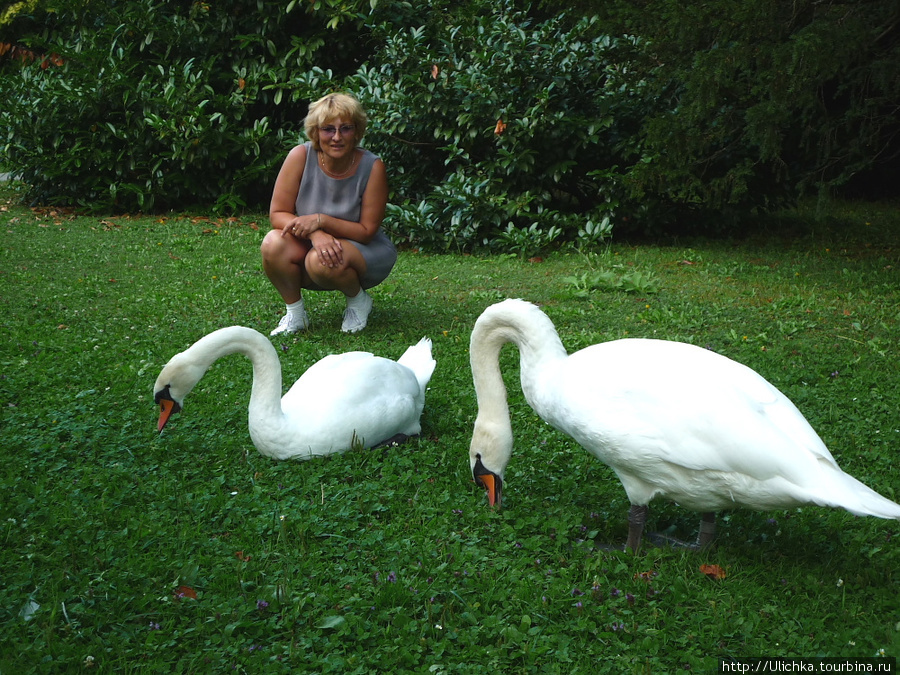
<point x="328" y="249"/>
<point x="302" y="227"/>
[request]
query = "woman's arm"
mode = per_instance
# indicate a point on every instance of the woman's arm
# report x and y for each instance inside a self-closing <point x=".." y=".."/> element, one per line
<point x="284" y="198"/>
<point x="287" y="186"/>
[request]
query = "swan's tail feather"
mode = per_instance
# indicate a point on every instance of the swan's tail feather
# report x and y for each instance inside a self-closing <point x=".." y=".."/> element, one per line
<point x="861" y="500"/>
<point x="419" y="360"/>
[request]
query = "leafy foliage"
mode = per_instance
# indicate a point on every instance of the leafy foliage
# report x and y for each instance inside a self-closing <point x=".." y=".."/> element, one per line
<point x="511" y="130"/>
<point x="157" y="104"/>
<point x="760" y="102"/>
<point x="506" y="127"/>
<point x="618" y="277"/>
<point x="201" y="116"/>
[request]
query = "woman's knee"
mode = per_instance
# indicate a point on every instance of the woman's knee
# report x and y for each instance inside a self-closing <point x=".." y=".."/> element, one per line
<point x="272" y="245"/>
<point x="323" y="274"/>
<point x="277" y="249"/>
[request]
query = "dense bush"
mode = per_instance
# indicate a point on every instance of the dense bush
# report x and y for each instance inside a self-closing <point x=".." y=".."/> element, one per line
<point x="158" y="105"/>
<point x="761" y="102"/>
<point x="504" y="126"/>
<point x="502" y="132"/>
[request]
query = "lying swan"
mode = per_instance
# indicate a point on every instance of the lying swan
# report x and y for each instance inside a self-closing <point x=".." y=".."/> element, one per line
<point x="671" y="419"/>
<point x="339" y="399"/>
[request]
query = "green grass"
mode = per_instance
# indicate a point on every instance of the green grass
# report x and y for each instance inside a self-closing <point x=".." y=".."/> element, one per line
<point x="389" y="560"/>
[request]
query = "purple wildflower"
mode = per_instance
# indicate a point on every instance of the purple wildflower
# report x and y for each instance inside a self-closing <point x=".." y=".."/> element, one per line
<point x="392" y="577"/>
<point x="261" y="604"/>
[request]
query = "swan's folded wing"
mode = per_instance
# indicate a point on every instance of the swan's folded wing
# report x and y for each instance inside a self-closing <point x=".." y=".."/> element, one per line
<point x="672" y="402"/>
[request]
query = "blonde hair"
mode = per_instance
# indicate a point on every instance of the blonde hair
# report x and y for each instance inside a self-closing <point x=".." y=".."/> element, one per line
<point x="327" y="108"/>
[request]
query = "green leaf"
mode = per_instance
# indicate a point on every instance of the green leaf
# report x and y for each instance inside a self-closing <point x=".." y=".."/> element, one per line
<point x="331" y="622"/>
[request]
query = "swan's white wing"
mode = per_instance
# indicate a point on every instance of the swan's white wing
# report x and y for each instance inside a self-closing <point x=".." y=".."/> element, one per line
<point x="355" y="393"/>
<point x="643" y="401"/>
<point x="324" y="373"/>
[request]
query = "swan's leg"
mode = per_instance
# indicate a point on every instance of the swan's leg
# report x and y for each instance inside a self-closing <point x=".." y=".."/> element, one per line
<point x="707" y="530"/>
<point x="637" y="516"/>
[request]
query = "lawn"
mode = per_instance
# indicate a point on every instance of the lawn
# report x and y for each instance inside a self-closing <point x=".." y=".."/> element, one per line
<point x="126" y="551"/>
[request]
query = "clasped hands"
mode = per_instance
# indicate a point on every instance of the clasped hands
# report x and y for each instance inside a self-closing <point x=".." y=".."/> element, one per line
<point x="328" y="248"/>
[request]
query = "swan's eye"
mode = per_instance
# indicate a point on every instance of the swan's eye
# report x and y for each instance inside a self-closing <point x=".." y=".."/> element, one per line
<point x="164" y="399"/>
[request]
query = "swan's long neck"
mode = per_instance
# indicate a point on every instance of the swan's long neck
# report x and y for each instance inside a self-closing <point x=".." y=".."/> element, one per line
<point x="539" y="346"/>
<point x="265" y="397"/>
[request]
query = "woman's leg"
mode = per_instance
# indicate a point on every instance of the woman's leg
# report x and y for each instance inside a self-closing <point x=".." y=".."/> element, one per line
<point x="346" y="279"/>
<point x="284" y="262"/>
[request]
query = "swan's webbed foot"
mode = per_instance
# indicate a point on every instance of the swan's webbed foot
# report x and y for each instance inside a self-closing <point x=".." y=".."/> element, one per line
<point x="662" y="539"/>
<point x="704" y="539"/>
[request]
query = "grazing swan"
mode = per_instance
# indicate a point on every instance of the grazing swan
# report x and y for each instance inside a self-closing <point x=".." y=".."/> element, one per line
<point x="341" y="398"/>
<point x="671" y="419"/>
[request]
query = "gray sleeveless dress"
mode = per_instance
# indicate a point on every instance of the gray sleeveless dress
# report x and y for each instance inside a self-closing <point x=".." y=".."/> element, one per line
<point x="342" y="198"/>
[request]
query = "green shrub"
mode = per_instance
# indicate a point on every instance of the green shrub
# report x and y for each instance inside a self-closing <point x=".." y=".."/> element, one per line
<point x="762" y="102"/>
<point x="156" y="106"/>
<point x="501" y="131"/>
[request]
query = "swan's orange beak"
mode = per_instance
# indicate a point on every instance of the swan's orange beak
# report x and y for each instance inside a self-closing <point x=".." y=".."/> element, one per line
<point x="484" y="478"/>
<point x="166" y="408"/>
<point x="492" y="484"/>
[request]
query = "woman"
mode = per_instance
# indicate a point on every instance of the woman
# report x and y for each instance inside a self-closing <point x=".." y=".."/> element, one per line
<point x="327" y="206"/>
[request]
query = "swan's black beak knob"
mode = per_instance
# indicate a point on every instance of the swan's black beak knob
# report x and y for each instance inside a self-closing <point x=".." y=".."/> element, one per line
<point x="168" y="406"/>
<point x="489" y="481"/>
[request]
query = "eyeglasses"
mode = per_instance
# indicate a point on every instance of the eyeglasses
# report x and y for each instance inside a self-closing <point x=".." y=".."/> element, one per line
<point x="345" y="129"/>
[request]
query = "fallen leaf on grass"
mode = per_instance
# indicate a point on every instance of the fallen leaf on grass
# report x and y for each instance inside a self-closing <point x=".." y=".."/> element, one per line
<point x="713" y="572"/>
<point x="185" y="592"/>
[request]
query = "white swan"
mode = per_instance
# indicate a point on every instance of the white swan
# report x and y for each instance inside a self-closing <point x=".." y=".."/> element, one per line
<point x="671" y="419"/>
<point x="340" y="399"/>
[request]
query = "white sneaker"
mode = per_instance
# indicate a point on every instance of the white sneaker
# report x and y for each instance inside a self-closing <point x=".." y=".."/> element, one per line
<point x="291" y="324"/>
<point x="356" y="318"/>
